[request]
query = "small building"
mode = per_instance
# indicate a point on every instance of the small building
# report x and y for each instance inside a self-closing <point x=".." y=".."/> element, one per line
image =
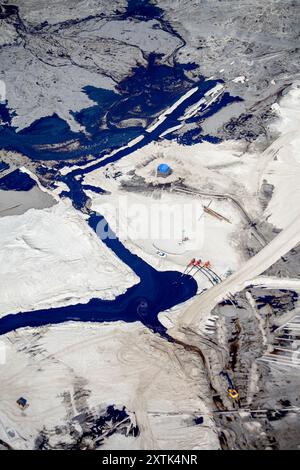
<point x="22" y="402"/>
<point x="163" y="170"/>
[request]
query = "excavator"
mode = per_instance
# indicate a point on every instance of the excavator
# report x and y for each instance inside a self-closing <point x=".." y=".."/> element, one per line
<point x="232" y="391"/>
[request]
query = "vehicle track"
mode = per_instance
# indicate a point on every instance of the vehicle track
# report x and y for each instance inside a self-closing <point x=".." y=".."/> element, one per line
<point x="227" y="197"/>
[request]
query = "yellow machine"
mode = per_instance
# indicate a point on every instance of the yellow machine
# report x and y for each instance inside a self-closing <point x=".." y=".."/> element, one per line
<point x="233" y="393"/>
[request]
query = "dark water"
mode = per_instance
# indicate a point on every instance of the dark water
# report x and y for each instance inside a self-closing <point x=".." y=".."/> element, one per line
<point x="142" y="96"/>
<point x="156" y="291"/>
<point x="143" y="9"/>
<point x="3" y="166"/>
<point x="5" y="116"/>
<point x="76" y="190"/>
<point x="195" y="136"/>
<point x="16" y="181"/>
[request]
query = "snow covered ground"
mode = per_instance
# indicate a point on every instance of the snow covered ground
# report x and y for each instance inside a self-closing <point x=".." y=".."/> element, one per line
<point x="278" y="165"/>
<point x="72" y="372"/>
<point x="225" y="168"/>
<point x="65" y="371"/>
<point x="51" y="257"/>
<point x="229" y="169"/>
<point x="222" y="176"/>
<point x="282" y="168"/>
<point x="199" y="311"/>
<point x="154" y="227"/>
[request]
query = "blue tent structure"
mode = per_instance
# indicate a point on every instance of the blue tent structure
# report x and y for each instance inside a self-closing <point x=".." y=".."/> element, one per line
<point x="163" y="170"/>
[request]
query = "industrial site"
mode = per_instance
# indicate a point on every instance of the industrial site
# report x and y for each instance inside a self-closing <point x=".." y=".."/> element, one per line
<point x="149" y="225"/>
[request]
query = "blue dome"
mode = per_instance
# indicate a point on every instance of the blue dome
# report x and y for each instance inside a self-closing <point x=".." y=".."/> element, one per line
<point x="163" y="168"/>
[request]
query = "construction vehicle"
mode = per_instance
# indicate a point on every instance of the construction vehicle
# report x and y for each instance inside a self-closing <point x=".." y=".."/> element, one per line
<point x="162" y="254"/>
<point x="231" y="390"/>
<point x="233" y="393"/>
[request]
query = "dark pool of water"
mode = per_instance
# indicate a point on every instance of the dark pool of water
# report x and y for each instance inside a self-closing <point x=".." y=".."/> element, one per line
<point x="156" y="292"/>
<point x="3" y="166"/>
<point x="143" y="9"/>
<point x="142" y="96"/>
<point x="16" y="181"/>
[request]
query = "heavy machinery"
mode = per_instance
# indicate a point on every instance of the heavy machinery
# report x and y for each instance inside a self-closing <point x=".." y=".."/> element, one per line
<point x="231" y="390"/>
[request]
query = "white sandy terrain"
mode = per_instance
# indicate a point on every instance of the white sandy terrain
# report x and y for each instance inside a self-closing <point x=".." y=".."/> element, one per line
<point x="162" y="385"/>
<point x="282" y="161"/>
<point x="197" y="314"/>
<point x="228" y="168"/>
<point x="51" y="257"/>
<point x="225" y="168"/>
<point x="150" y="225"/>
<point x="70" y="373"/>
<point x="208" y="169"/>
